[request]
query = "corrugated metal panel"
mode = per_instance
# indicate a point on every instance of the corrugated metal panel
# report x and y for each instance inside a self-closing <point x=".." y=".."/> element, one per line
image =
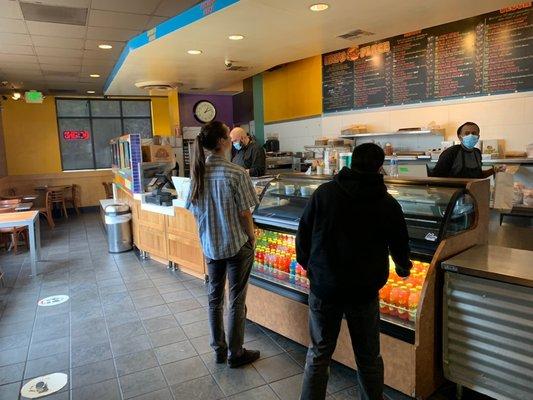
<point x="488" y="336"/>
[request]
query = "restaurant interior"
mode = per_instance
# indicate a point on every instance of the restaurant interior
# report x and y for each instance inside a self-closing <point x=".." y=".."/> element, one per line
<point x="103" y="278"/>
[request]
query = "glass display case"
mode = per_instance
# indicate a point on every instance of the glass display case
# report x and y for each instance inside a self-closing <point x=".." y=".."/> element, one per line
<point x="431" y="212"/>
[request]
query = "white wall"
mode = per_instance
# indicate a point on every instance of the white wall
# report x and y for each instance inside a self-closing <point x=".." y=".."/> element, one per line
<point x="508" y="117"/>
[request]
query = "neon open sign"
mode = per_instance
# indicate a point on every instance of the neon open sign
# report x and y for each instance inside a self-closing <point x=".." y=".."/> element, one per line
<point x="76" y="135"/>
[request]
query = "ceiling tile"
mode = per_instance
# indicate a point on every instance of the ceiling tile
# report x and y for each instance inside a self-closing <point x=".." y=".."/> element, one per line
<point x="50" y="29"/>
<point x="61" y="77"/>
<point x="111" y="33"/>
<point x="59" y="60"/>
<point x="130" y="6"/>
<point x="65" y="3"/>
<point x="15" y="38"/>
<point x="154" y="21"/>
<point x="60" y="67"/>
<point x="10" y="9"/>
<point x="95" y="81"/>
<point x="96" y="69"/>
<point x="58" y="52"/>
<point x="16" y="67"/>
<point x="98" y="61"/>
<point x="12" y="25"/>
<point x="17" y="58"/>
<point x="16" y="49"/>
<point x="22" y="75"/>
<point x="117" y="20"/>
<point x="102" y="54"/>
<point x="169" y="8"/>
<point x="91" y="44"/>
<point x="63" y="42"/>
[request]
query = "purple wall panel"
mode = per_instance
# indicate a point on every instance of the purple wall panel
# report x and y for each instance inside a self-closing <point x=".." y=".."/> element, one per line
<point x="223" y="104"/>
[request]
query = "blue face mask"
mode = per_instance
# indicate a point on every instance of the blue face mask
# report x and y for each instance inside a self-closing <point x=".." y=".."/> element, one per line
<point x="237" y="145"/>
<point x="469" y="141"/>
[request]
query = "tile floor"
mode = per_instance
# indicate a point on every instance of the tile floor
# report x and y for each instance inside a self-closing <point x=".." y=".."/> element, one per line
<point x="131" y="330"/>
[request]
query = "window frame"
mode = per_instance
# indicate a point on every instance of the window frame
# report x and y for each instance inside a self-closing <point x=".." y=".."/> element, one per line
<point x="91" y="117"/>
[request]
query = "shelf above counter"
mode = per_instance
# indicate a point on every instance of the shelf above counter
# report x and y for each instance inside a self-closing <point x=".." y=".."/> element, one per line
<point x="397" y="133"/>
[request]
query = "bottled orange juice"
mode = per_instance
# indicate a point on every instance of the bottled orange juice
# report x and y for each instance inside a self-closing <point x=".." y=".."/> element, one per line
<point x="393" y="299"/>
<point x="414" y="298"/>
<point x="384" y="298"/>
<point x="403" y="302"/>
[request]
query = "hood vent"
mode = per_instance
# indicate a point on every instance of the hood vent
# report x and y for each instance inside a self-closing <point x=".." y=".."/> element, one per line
<point x="355" y="34"/>
<point x="54" y="14"/>
<point x="237" y="68"/>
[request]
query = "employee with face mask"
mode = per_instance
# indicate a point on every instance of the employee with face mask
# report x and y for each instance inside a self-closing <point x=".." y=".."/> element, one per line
<point x="462" y="160"/>
<point x="248" y="153"/>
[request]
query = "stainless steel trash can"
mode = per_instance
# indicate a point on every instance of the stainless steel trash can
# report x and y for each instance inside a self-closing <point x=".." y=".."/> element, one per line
<point x="118" y="225"/>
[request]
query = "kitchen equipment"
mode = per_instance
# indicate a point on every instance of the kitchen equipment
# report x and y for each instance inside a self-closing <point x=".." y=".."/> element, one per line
<point x="271" y="145"/>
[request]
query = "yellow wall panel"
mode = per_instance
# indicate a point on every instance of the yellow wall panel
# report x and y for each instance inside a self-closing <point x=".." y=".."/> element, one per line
<point x="293" y="91"/>
<point x="160" y="116"/>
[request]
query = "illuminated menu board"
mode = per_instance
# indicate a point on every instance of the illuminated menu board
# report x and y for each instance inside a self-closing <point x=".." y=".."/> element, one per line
<point x="483" y="55"/>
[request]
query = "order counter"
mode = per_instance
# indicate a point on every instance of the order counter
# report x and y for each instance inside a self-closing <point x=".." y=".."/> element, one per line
<point x="444" y="217"/>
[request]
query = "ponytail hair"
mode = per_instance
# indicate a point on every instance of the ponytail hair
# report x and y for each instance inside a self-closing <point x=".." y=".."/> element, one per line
<point x="208" y="138"/>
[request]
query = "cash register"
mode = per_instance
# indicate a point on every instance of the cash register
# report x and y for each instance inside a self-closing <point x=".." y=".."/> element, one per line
<point x="159" y="196"/>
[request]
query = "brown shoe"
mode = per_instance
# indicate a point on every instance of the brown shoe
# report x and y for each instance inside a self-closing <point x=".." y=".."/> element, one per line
<point x="247" y="357"/>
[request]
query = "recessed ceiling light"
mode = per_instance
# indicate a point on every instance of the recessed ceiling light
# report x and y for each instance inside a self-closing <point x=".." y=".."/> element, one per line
<point x="94" y="76"/>
<point x="16" y="96"/>
<point x="235" y="37"/>
<point x="319" y="7"/>
<point x="105" y="46"/>
<point x="194" y="52"/>
<point x="91" y="92"/>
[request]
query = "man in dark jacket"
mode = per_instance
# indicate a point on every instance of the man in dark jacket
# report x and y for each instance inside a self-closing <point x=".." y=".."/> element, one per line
<point x="346" y="233"/>
<point x="248" y="153"/>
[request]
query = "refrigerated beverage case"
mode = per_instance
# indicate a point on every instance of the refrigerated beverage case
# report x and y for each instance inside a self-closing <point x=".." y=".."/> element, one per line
<point x="384" y="299"/>
<point x="414" y="298"/>
<point x="393" y="299"/>
<point x="403" y="302"/>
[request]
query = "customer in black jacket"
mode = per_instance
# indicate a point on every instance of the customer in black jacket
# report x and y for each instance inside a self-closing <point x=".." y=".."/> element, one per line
<point x="346" y="234"/>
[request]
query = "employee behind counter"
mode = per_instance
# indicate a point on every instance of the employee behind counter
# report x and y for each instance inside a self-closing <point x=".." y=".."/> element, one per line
<point x="247" y="152"/>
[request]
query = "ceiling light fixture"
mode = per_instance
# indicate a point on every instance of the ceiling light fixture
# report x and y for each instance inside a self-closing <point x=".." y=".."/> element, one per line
<point x="16" y="96"/>
<point x="194" y="52"/>
<point x="235" y="37"/>
<point x="91" y="92"/>
<point x="105" y="46"/>
<point x="319" y="7"/>
<point x="94" y="76"/>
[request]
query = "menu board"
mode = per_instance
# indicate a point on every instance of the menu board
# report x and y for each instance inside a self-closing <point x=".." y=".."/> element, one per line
<point x="483" y="55"/>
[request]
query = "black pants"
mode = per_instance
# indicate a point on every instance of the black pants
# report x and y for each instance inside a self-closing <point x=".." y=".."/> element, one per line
<point x="237" y="269"/>
<point x="324" y="325"/>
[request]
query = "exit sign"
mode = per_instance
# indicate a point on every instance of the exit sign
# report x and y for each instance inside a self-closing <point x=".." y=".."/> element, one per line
<point x="33" y="96"/>
<point x="76" y="135"/>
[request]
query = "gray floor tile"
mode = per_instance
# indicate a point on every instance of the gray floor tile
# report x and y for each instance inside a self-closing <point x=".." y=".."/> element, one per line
<point x="108" y="390"/>
<point x="204" y="388"/>
<point x="127" y="345"/>
<point x="196" y="329"/>
<point x="105" y="291"/>
<point x="78" y="316"/>
<point x="11" y="373"/>
<point x="88" y="327"/>
<point x="236" y="380"/>
<point x="162" y="394"/>
<point x="121" y="318"/>
<point x="15" y="328"/>
<point x="116" y="280"/>
<point x="188" y="317"/>
<point x="10" y="391"/>
<point x="135" y="362"/>
<point x="61" y="320"/>
<point x="13" y="356"/>
<point x="90" y="354"/>
<point x="201" y="344"/>
<point x="184" y="305"/>
<point x="129" y="329"/>
<point x="142" y="382"/>
<point x="340" y="377"/>
<point x="184" y="370"/>
<point x="47" y="365"/>
<point x="175" y="352"/>
<point x="298" y="356"/>
<point x="289" y="388"/>
<point x="14" y="341"/>
<point x="90" y="339"/>
<point x="153" y="312"/>
<point x="160" y="323"/>
<point x="139" y="284"/>
<point x="49" y="348"/>
<point x="92" y="373"/>
<point x="177" y="295"/>
<point x="266" y="346"/>
<point x="260" y="393"/>
<point x="55" y="332"/>
<point x="348" y="394"/>
<point x="148" y="301"/>
<point x="277" y="367"/>
<point x="150" y="291"/>
<point x="119" y="307"/>
<point x="167" y="336"/>
<point x="174" y="286"/>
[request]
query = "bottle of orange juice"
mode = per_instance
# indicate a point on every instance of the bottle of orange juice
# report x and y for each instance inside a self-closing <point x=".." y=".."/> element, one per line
<point x="414" y="298"/>
<point x="384" y="298"/>
<point x="393" y="299"/>
<point x="403" y="302"/>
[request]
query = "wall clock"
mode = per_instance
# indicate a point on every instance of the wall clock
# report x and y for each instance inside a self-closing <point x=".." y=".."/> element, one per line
<point x="204" y="111"/>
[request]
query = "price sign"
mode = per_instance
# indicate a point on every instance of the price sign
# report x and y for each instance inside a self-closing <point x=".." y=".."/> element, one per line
<point x="76" y="135"/>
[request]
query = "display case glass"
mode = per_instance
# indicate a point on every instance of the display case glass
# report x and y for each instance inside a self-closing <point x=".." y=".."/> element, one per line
<point x="431" y="213"/>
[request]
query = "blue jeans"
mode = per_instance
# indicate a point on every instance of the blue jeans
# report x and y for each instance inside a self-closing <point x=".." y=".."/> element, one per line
<point x="324" y="325"/>
<point x="237" y="269"/>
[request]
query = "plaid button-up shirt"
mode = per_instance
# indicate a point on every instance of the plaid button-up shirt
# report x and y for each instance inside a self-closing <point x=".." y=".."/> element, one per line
<point x="228" y="190"/>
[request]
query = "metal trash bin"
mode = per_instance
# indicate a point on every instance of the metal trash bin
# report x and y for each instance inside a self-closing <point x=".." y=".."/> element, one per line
<point x="118" y="225"/>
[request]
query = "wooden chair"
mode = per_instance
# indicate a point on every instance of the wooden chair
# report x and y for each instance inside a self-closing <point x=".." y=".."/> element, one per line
<point x="74" y="198"/>
<point x="46" y="210"/>
<point x="57" y="196"/>
<point x="14" y="234"/>
<point x="108" y="187"/>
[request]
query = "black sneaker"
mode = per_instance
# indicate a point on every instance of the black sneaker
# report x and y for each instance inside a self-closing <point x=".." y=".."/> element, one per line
<point x="221" y="358"/>
<point x="247" y="357"/>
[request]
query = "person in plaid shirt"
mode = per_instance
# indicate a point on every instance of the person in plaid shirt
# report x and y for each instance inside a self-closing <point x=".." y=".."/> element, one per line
<point x="221" y="199"/>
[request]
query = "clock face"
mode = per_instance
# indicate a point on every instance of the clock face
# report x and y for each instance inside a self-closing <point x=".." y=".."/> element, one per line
<point x="204" y="111"/>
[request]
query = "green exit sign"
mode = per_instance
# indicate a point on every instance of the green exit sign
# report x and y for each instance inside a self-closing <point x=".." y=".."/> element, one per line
<point x="33" y="96"/>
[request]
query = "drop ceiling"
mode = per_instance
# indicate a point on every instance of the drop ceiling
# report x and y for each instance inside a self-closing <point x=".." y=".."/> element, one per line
<point x="276" y="32"/>
<point x="38" y="50"/>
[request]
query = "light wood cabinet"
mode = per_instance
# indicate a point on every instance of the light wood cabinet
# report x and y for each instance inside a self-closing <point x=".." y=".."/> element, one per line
<point x="152" y="240"/>
<point x="184" y="243"/>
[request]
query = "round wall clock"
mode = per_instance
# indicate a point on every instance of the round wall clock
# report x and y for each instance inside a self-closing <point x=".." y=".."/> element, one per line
<point x="204" y="111"/>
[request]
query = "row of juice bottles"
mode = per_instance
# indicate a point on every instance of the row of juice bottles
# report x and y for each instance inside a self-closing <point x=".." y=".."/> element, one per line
<point x="400" y="297"/>
<point x="275" y="255"/>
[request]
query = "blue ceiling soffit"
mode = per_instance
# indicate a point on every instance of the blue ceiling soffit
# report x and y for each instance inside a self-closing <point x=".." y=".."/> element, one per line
<point x="173" y="24"/>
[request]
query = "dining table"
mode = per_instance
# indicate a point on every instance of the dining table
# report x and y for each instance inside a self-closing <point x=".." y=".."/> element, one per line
<point x="31" y="220"/>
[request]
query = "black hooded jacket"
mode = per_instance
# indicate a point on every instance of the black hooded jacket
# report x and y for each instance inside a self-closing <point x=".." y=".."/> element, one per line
<point x="345" y="235"/>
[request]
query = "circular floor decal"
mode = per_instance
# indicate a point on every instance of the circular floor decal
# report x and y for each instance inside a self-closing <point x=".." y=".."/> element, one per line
<point x="53" y="300"/>
<point x="44" y="385"/>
